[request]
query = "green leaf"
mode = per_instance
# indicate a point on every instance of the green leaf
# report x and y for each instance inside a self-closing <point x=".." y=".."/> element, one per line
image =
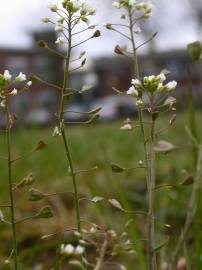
<point x="36" y="195"/>
<point x="195" y="50"/>
<point x="45" y="212"/>
<point x="116" y="168"/>
<point x="116" y="204"/>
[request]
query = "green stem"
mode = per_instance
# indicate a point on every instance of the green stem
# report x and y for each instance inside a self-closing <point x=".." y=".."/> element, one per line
<point x="8" y="137"/>
<point x="150" y="171"/>
<point x="61" y="121"/>
<point x="151" y="201"/>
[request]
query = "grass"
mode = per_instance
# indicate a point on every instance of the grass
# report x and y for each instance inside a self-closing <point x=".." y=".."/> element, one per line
<point x="94" y="145"/>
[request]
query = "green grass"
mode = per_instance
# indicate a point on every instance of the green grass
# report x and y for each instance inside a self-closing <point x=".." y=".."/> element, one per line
<point x="94" y="145"/>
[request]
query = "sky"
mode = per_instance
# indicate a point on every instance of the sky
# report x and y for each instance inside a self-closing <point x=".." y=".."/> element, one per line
<point x="171" y="19"/>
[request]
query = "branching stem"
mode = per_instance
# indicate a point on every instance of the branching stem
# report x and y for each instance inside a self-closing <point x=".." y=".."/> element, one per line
<point x="61" y="121"/>
<point x="149" y="160"/>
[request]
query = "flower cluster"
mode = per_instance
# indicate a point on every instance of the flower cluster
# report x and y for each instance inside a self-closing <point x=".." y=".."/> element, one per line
<point x="73" y="6"/>
<point x="70" y="250"/>
<point x="145" y="7"/>
<point x="83" y="10"/>
<point x="151" y="85"/>
<point x="6" y="81"/>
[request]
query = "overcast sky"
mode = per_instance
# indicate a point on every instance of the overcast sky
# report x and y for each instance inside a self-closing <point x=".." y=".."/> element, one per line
<point x="171" y="19"/>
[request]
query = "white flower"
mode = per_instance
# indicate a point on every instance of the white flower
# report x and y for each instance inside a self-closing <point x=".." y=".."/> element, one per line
<point x="56" y="132"/>
<point x="132" y="91"/>
<point x="7" y="75"/>
<point x="29" y="83"/>
<point x="137" y="30"/>
<point x="148" y="6"/>
<point x="126" y="127"/>
<point x="135" y="82"/>
<point x="14" y="92"/>
<point x="79" y="250"/>
<point x="53" y="8"/>
<point x="87" y="8"/>
<point x="60" y="41"/>
<point x="116" y="4"/>
<point x="132" y="2"/>
<point x="93" y="230"/>
<point x="139" y="103"/>
<point x="162" y="77"/>
<point x="67" y="249"/>
<point x="160" y="87"/>
<point x="3" y="103"/>
<point x="150" y="78"/>
<point x="59" y="27"/>
<point x="21" y="77"/>
<point x="76" y="3"/>
<point x="140" y="163"/>
<point x="171" y="85"/>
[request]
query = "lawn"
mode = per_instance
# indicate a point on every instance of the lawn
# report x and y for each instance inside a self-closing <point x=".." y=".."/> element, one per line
<point x="97" y="145"/>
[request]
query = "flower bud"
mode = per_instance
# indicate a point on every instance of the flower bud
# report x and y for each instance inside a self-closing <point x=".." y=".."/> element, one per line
<point x="53" y="8"/>
<point x="45" y="20"/>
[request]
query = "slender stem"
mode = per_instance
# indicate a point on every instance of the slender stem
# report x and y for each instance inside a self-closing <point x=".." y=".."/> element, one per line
<point x="190" y="212"/>
<point x="102" y="254"/>
<point x="61" y="121"/>
<point x="149" y="160"/>
<point x="8" y="138"/>
<point x="135" y="60"/>
<point x="151" y="201"/>
<point x="150" y="164"/>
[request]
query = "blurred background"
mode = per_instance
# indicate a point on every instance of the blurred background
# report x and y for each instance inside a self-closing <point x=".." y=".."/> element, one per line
<point x="177" y="23"/>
